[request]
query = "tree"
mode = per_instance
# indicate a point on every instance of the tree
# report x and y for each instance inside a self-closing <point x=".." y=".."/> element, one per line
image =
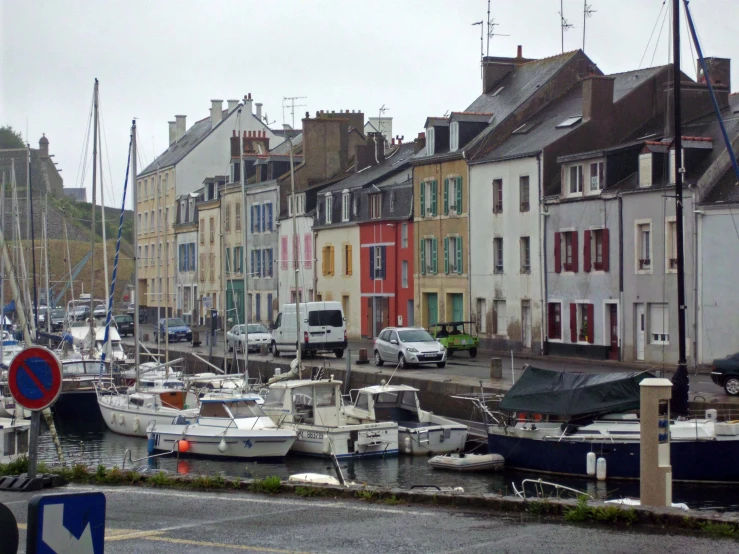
<point x="10" y="138"/>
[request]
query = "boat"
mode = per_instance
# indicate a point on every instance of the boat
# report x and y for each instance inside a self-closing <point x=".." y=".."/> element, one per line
<point x="13" y="438"/>
<point x="80" y="333"/>
<point x="637" y="502"/>
<point x="419" y="432"/>
<point x="468" y="462"/>
<point x="224" y="427"/>
<point x="131" y="414"/>
<point x="312" y="408"/>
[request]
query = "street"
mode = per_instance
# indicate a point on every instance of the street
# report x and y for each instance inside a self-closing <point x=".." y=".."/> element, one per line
<point x="155" y="520"/>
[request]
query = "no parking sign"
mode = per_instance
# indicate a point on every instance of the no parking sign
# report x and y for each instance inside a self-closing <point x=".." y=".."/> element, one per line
<point x="35" y="378"/>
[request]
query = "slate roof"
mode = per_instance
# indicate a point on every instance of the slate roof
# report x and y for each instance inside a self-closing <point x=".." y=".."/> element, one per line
<point x="394" y="161"/>
<point x="283" y="149"/>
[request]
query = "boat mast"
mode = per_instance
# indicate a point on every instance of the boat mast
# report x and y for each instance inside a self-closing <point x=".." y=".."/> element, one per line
<point x="2" y="272"/>
<point x="244" y="268"/>
<point x="107" y="345"/>
<point x="33" y="248"/>
<point x="136" y="254"/>
<point x="94" y="201"/>
<point x="680" y="380"/>
<point x="296" y="249"/>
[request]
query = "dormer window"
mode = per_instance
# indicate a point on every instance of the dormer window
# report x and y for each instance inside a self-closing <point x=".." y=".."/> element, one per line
<point x="345" y="206"/>
<point x="430" y="141"/>
<point x="329" y="207"/>
<point x="375" y="206"/>
<point x="645" y="169"/>
<point x="570" y="122"/>
<point x="596" y="177"/>
<point x="298" y="205"/>
<point x="454" y="136"/>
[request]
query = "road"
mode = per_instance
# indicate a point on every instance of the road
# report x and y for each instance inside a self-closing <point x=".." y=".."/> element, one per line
<point x="154" y="520"/>
<point x="479" y="368"/>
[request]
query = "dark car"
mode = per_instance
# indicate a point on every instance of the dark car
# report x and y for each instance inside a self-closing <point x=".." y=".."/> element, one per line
<point x="178" y="330"/>
<point x="81" y="313"/>
<point x="725" y="373"/>
<point x="124" y="324"/>
<point x="57" y="319"/>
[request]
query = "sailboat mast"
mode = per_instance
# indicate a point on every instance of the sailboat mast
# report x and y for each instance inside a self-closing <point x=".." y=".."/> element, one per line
<point x="245" y="268"/>
<point x="46" y="262"/>
<point x="107" y="345"/>
<point x="136" y="254"/>
<point x="680" y="381"/>
<point x="2" y="272"/>
<point x="296" y="249"/>
<point x="33" y="248"/>
<point x="94" y="201"/>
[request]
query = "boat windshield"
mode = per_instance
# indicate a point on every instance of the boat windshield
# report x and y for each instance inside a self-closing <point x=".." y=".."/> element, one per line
<point x="396" y="406"/>
<point x="275" y="398"/>
<point x="415" y="335"/>
<point x="245" y="408"/>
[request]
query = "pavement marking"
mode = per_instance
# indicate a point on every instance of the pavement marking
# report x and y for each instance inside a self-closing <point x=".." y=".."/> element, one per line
<point x="225" y="545"/>
<point x="127" y="534"/>
<point x="22" y="526"/>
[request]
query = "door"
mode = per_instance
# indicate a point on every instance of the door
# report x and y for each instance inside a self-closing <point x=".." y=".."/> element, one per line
<point x="526" y="320"/>
<point x="640" y="326"/>
<point x="613" y="326"/>
<point x="432" y="308"/>
<point x="457" y="307"/>
<point x="410" y="317"/>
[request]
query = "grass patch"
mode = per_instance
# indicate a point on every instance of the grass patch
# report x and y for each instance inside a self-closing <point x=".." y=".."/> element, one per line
<point x="581" y="512"/>
<point x="368" y="496"/>
<point x="160" y="479"/>
<point x="209" y="482"/>
<point x="268" y="485"/>
<point x="718" y="529"/>
<point x="391" y="501"/>
<point x="615" y="514"/>
<point x="540" y="507"/>
<point x="311" y="491"/>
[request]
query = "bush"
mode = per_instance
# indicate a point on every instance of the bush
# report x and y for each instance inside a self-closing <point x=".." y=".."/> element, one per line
<point x="369" y="496"/>
<point x="160" y="479"/>
<point x="208" y="482"/>
<point x="16" y="467"/>
<point x="615" y="514"/>
<point x="311" y="491"/>
<point x="391" y="501"/>
<point x="718" y="529"/>
<point x="268" y="485"/>
<point x="581" y="512"/>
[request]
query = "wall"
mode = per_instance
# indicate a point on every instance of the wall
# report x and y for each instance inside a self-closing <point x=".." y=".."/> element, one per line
<point x="284" y="259"/>
<point x="512" y="286"/>
<point x="187" y="279"/>
<point x="213" y="283"/>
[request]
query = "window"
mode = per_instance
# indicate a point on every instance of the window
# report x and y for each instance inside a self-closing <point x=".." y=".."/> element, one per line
<point x="347" y="259"/>
<point x="229" y="267"/>
<point x="554" y="314"/>
<point x="645" y="169"/>
<point x="256" y="218"/>
<point x="202" y="231"/>
<point x="166" y="183"/>
<point x="523" y="193"/>
<point x="308" y="250"/>
<point x="596" y="176"/>
<point x="355" y="205"/>
<point x="152" y="223"/>
<point x="328" y="260"/>
<point x="212" y="230"/>
<point x="267" y="217"/>
<point x="481" y="319"/>
<point x="498" y="196"/>
<point x="375" y="206"/>
<point x="596" y="249"/>
<point x="146" y="255"/>
<point x="138" y="229"/>
<point x="452" y="195"/>
<point x="227" y="219"/>
<point x="644" y="246"/>
<point x="238" y="216"/>
<point x="453" y="255"/>
<point x="258" y="306"/>
<point x="404" y="274"/>
<point x="268" y="262"/>
<point x="430" y="141"/>
<point x="138" y="262"/>
<point x="377" y="262"/>
<point x="143" y="191"/>
<point x="300" y="204"/>
<point x="576" y="179"/>
<point x="212" y="268"/>
<point x="525" y="255"/>
<point x="429" y="262"/>
<point x="159" y="219"/>
<point x="404" y="236"/>
<point x="329" y="207"/>
<point x="659" y="330"/>
<point x="428" y="199"/>
<point x="671" y="246"/>
<point x="146" y="222"/>
<point x="585" y="332"/>
<point x="500" y="321"/>
<point x="345" y="206"/>
<point x="454" y="136"/>
<point x="238" y="261"/>
<point x="498" y="254"/>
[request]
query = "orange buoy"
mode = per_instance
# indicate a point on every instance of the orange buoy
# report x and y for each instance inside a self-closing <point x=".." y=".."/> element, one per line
<point x="537" y="417"/>
<point x="183" y="445"/>
<point x="522" y="416"/>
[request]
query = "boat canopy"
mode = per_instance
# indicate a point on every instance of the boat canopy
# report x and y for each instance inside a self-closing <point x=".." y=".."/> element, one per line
<point x="563" y="393"/>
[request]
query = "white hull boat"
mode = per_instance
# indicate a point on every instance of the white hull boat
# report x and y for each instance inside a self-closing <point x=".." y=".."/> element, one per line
<point x="419" y="432"/>
<point x="468" y="462"/>
<point x="13" y="439"/>
<point x="225" y="427"/>
<point x="131" y="414"/>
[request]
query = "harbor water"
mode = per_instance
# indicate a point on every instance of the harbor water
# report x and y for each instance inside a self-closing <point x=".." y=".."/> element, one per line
<point x="93" y="445"/>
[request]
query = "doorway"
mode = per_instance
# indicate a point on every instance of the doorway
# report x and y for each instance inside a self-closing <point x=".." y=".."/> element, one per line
<point x="410" y="317"/>
<point x="613" y="326"/>
<point x="640" y="325"/>
<point x="432" y="308"/>
<point x="526" y="323"/>
<point x="457" y="303"/>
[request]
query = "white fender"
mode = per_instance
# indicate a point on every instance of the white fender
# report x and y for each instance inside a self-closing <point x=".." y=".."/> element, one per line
<point x="326" y="445"/>
<point x="408" y="446"/>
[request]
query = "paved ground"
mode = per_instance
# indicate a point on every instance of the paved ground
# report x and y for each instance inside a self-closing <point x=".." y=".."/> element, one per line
<point x="146" y="520"/>
<point x="479" y="368"/>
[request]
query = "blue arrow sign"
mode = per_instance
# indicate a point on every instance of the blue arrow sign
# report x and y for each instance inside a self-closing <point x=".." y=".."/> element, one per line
<point x="66" y="523"/>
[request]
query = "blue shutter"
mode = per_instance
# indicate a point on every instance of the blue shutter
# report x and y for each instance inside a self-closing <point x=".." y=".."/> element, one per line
<point x="192" y="256"/>
<point x="250" y="269"/>
<point x="372" y="262"/>
<point x="264" y="217"/>
<point x="258" y="211"/>
<point x="269" y="220"/>
<point x="251" y="218"/>
<point x="271" y="262"/>
<point x="382" y="254"/>
<point x="269" y="306"/>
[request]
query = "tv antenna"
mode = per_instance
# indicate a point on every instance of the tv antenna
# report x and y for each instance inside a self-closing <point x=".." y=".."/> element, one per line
<point x="482" y="33"/>
<point x="289" y="102"/>
<point x="381" y="120"/>
<point x="587" y="11"/>
<point x="267" y="122"/>
<point x="491" y="30"/>
<point x="563" y="23"/>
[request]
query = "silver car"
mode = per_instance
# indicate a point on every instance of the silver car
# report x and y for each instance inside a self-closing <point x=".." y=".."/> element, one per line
<point x="407" y="346"/>
<point x="257" y="335"/>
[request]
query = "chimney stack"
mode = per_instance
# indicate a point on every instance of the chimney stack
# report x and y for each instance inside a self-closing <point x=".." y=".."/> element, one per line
<point x="419" y="143"/>
<point x="519" y="51"/>
<point x="180" y="126"/>
<point x="259" y="110"/>
<point x="172" y="132"/>
<point x="216" y="112"/>
<point x="232" y="105"/>
<point x="247" y="104"/>
<point x="597" y="97"/>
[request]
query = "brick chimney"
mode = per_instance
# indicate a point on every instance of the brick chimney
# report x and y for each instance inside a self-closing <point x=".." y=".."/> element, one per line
<point x="172" y="132"/>
<point x="597" y="97"/>
<point x="719" y="69"/>
<point x="180" y="126"/>
<point x="419" y="143"/>
<point x="216" y="112"/>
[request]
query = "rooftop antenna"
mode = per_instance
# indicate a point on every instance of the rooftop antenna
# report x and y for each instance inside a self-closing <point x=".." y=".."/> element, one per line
<point x="381" y="120"/>
<point x="289" y="101"/>
<point x="482" y="32"/>
<point x="563" y="23"/>
<point x="491" y="30"/>
<point x="267" y="122"/>
<point x="587" y="11"/>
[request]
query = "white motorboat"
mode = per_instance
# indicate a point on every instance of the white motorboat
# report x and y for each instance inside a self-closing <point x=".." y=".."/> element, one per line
<point x="419" y="432"/>
<point x="313" y="410"/>
<point x="225" y="427"/>
<point x="132" y="413"/>
<point x="13" y="438"/>
<point x="468" y="462"/>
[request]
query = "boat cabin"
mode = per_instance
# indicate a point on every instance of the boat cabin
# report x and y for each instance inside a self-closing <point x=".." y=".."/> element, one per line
<point x="305" y="401"/>
<point x="228" y="409"/>
<point x="13" y="439"/>
<point x="397" y="403"/>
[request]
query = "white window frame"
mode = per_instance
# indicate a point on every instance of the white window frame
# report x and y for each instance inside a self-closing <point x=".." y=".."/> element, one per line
<point x="404" y="236"/>
<point x="599" y="182"/>
<point x="378" y="262"/>
<point x="665" y="337"/>
<point x="454" y="136"/>
<point x="638" y="247"/>
<point x="452" y="254"/>
<point x="670" y="243"/>
<point x="345" y="205"/>
<point x="430" y="141"/>
<point x="404" y="274"/>
<point x="578" y="181"/>
<point x="429" y="201"/>
<point x="428" y="255"/>
<point x="375" y="210"/>
<point x="454" y="182"/>
<point x="329" y="209"/>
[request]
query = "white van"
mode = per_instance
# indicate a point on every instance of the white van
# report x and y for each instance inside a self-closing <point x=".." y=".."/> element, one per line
<point x="322" y="329"/>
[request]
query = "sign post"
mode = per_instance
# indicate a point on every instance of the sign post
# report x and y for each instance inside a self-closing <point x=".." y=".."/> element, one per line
<point x="35" y="382"/>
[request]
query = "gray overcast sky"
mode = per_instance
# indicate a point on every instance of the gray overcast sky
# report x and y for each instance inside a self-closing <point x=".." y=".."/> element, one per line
<point x="158" y="58"/>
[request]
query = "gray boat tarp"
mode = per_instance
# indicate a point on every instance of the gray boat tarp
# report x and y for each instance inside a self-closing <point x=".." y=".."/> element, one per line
<point x="563" y="393"/>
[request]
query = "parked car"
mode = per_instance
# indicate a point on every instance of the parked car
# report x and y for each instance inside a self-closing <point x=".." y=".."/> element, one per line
<point x="80" y="313"/>
<point x="456" y="336"/>
<point x="101" y="310"/>
<point x="124" y="324"/>
<point x="178" y="330"/>
<point x="257" y="335"/>
<point x="725" y="373"/>
<point x="407" y="346"/>
<point x="42" y="311"/>
<point x="130" y="308"/>
<point x="57" y="319"/>
<point x="322" y="328"/>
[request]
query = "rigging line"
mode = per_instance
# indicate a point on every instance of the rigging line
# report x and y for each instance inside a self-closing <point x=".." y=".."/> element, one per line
<point x="81" y="167"/>
<point x="109" y="183"/>
<point x="656" y="44"/>
<point x="646" y="48"/>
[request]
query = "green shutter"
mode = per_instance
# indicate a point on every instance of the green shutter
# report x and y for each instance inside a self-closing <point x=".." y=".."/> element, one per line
<point x="459" y="254"/>
<point x="423" y="256"/>
<point x="446" y="196"/>
<point x="459" y="195"/>
<point x="433" y="198"/>
<point x="423" y="200"/>
<point x="434" y="258"/>
<point x="446" y="254"/>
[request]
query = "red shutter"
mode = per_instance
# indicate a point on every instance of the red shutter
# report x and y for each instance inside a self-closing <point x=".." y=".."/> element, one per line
<point x="550" y="314"/>
<point x="604" y="234"/>
<point x="591" y="323"/>
<point x="586" y="252"/>
<point x="557" y="253"/>
<point x="574" y="251"/>
<point x="573" y="322"/>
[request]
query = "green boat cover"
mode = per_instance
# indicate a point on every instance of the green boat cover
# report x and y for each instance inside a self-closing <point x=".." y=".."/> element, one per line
<point x="569" y="394"/>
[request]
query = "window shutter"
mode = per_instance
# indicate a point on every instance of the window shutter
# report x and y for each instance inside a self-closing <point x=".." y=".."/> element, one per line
<point x="551" y="321"/>
<point x="324" y="260"/>
<point x="434" y="258"/>
<point x="422" y="242"/>
<point x="434" y="194"/>
<point x="573" y="322"/>
<point x="251" y="223"/>
<point x="459" y="195"/>
<point x="350" y="268"/>
<point x="372" y="262"/>
<point x="283" y="252"/>
<point x="264" y="217"/>
<point x="382" y="259"/>
<point x="586" y="252"/>
<point x="423" y="199"/>
<point x="446" y="196"/>
<point x="604" y="234"/>
<point x="446" y="254"/>
<point x="331" y="261"/>
<point x="558" y="252"/>
<point x="251" y="266"/>
<point x="307" y="250"/>
<point x="591" y="323"/>
<point x="574" y="251"/>
<point x="459" y="255"/>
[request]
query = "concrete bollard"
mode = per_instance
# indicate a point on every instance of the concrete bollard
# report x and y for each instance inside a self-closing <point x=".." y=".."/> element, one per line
<point x="496" y="368"/>
<point x="263" y="349"/>
<point x="362" y="357"/>
<point x="196" y="338"/>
